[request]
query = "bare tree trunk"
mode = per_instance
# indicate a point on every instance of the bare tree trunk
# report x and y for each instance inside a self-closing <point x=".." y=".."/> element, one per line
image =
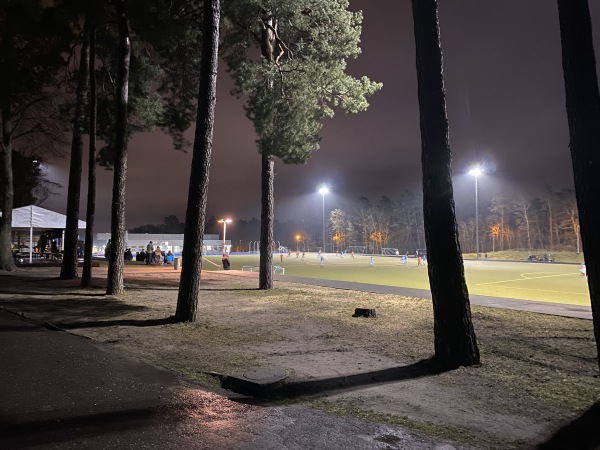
<point x="86" y="275"/>
<point x="117" y="223"/>
<point x="266" y="223"/>
<point x="189" y="283"/>
<point x="68" y="269"/>
<point x="454" y="337"/>
<point x="583" y="111"/>
<point x="6" y="258"/>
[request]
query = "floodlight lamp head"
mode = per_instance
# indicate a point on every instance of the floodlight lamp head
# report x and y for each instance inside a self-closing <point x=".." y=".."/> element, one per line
<point x="323" y="190"/>
<point x="475" y="171"/>
<point x="224" y="220"/>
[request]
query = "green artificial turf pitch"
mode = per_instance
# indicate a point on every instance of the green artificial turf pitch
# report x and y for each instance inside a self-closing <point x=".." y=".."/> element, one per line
<point x="550" y="282"/>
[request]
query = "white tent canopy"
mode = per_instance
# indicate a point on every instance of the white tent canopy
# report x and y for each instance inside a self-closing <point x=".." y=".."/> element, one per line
<point x="35" y="217"/>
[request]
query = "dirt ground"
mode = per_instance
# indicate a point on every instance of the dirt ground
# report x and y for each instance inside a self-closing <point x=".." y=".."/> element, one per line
<point x="539" y="374"/>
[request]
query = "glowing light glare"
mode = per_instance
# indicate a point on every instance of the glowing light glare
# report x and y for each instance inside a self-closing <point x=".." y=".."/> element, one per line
<point x="323" y="190"/>
<point x="225" y="220"/>
<point x="475" y="171"/>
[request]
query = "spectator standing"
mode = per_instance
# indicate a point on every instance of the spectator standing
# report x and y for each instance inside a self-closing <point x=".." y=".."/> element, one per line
<point x="42" y="242"/>
<point x="149" y="252"/>
<point x="225" y="261"/>
<point x="107" y="250"/>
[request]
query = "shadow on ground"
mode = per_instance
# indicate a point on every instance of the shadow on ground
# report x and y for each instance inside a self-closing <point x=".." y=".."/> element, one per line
<point x="55" y="430"/>
<point x="44" y="292"/>
<point x="104" y="308"/>
<point x="580" y="434"/>
<point x="116" y="323"/>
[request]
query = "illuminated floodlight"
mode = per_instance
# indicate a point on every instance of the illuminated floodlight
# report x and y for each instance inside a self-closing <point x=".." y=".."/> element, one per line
<point x="476" y="171"/>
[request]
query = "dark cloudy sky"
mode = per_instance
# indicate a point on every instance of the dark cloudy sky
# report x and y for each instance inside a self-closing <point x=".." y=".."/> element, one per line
<point x="505" y="100"/>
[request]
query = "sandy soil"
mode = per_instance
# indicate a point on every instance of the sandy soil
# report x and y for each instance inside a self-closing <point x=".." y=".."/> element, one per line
<point x="538" y="373"/>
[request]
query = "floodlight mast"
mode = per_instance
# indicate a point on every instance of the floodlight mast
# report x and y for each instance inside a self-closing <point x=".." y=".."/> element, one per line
<point x="324" y="190"/>
<point x="476" y="171"/>
<point x="224" y="222"/>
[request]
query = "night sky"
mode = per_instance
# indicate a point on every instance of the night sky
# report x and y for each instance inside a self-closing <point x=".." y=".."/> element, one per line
<point x="505" y="101"/>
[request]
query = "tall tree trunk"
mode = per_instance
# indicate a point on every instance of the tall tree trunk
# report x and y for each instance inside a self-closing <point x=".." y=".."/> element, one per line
<point x="265" y="278"/>
<point x="583" y="111"/>
<point x="454" y="337"/>
<point x="86" y="275"/>
<point x="68" y="269"/>
<point x="6" y="258"/>
<point x="117" y="223"/>
<point x="189" y="283"/>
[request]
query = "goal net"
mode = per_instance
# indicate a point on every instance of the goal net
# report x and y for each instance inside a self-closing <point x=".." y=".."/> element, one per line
<point x="387" y="251"/>
<point x="356" y="249"/>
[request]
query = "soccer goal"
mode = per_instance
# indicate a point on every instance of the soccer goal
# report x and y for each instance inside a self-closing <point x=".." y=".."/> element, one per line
<point x="360" y="249"/>
<point x="387" y="251"/>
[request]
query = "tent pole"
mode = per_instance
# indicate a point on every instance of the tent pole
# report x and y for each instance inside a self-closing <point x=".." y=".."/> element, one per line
<point x="30" y="234"/>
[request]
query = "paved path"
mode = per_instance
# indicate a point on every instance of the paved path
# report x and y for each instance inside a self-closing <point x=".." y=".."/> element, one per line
<point x="556" y="309"/>
<point x="60" y="391"/>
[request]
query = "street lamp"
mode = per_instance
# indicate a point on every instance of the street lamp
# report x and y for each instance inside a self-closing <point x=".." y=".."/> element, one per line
<point x="224" y="222"/>
<point x="323" y="190"/>
<point x="476" y="171"/>
<point x="297" y="243"/>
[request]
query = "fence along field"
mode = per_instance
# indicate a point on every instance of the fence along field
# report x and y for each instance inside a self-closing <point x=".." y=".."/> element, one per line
<point x="550" y="282"/>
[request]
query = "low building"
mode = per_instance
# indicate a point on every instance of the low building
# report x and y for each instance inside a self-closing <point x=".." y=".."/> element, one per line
<point x="212" y="245"/>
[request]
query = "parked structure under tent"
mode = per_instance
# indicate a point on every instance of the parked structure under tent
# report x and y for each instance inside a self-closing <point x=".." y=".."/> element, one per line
<point x="34" y="217"/>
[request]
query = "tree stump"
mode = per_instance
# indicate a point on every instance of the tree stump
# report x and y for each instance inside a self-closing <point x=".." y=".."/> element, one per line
<point x="364" y="312"/>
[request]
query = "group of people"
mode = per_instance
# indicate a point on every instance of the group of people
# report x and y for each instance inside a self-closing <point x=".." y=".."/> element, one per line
<point x="155" y="256"/>
<point x="42" y="246"/>
<point x="152" y="255"/>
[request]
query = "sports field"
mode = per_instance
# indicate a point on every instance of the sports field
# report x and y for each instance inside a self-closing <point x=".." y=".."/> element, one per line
<point x="550" y="282"/>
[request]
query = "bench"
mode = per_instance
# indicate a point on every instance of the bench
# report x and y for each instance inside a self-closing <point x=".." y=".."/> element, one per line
<point x="280" y="269"/>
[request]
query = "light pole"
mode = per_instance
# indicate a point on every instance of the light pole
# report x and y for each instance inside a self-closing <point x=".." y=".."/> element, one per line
<point x="224" y="222"/>
<point x="297" y="243"/>
<point x="476" y="171"/>
<point x="323" y="190"/>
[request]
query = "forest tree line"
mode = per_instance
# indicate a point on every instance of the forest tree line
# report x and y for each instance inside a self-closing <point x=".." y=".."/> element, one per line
<point x="545" y="222"/>
<point x="549" y="221"/>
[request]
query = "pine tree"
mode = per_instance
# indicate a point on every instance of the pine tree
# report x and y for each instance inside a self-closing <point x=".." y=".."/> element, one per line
<point x="30" y="57"/>
<point x="583" y="111"/>
<point x="454" y="338"/>
<point x="289" y="60"/>
<point x="189" y="285"/>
